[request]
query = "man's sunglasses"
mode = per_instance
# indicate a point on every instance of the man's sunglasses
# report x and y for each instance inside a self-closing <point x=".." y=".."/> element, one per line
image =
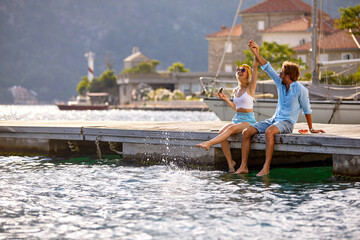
<point x="242" y="69"/>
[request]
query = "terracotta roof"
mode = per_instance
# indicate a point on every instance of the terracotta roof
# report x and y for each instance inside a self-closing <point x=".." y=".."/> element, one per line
<point x="224" y="32"/>
<point x="277" y="6"/>
<point x="338" y="40"/>
<point x="302" y="24"/>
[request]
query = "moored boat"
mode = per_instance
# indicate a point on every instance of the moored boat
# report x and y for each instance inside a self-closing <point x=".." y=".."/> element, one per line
<point x="335" y="112"/>
<point x="84" y="103"/>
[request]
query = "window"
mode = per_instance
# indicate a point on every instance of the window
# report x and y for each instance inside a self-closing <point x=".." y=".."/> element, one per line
<point x="185" y="88"/>
<point x="196" y="87"/>
<point x="302" y="57"/>
<point x="261" y="25"/>
<point x="228" y="68"/>
<point x="346" y="56"/>
<point x="324" y="57"/>
<point x="302" y="41"/>
<point x="228" y="47"/>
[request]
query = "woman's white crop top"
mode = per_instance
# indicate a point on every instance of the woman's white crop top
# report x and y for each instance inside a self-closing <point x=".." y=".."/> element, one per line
<point x="244" y="101"/>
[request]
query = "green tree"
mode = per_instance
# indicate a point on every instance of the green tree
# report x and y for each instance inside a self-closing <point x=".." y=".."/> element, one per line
<point x="83" y="86"/>
<point x="105" y="83"/>
<point x="274" y="53"/>
<point x="177" y="67"/>
<point x="350" y="19"/>
<point x="351" y="79"/>
<point x="143" y="67"/>
<point x="329" y="77"/>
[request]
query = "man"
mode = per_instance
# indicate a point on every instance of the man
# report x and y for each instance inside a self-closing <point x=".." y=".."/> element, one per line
<point x="292" y="98"/>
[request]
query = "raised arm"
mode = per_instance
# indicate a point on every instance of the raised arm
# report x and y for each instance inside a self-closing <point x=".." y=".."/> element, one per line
<point x="255" y="49"/>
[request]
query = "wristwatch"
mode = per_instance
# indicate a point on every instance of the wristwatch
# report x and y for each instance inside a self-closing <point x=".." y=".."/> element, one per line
<point x="312" y="129"/>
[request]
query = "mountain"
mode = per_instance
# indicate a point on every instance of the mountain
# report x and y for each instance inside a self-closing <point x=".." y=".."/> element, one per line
<point x="43" y="42"/>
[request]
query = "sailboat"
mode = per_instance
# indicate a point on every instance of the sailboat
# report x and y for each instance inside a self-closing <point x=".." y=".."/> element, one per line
<point x="330" y="104"/>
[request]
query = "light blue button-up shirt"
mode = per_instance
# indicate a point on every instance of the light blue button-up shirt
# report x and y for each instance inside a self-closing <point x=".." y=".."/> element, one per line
<point x="289" y="102"/>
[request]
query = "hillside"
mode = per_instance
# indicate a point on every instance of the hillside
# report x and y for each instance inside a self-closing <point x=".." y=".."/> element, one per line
<point x="42" y="43"/>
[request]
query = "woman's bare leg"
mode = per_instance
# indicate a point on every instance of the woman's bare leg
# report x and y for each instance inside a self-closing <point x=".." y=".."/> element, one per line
<point x="224" y="135"/>
<point x="225" y="147"/>
<point x="208" y="144"/>
<point x="222" y="139"/>
<point x="245" y="149"/>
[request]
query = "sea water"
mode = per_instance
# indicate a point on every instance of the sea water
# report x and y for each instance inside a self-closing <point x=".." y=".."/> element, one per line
<point x="87" y="198"/>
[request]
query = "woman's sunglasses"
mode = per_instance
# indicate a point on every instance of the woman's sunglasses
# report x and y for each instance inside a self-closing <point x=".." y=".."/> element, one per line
<point x="242" y="69"/>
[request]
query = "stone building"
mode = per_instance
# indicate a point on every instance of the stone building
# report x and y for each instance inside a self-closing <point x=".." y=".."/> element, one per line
<point x="283" y="22"/>
<point x="255" y="20"/>
<point x="297" y="31"/>
<point x="23" y="96"/>
<point x="340" y="45"/>
<point x="188" y="83"/>
<point x="135" y="58"/>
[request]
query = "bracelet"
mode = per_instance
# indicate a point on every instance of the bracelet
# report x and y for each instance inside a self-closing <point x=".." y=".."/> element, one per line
<point x="312" y="129"/>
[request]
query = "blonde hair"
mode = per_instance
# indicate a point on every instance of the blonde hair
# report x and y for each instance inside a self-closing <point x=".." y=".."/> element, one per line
<point x="247" y="67"/>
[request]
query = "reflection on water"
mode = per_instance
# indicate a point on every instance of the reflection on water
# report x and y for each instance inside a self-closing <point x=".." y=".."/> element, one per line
<point x="84" y="198"/>
<point x="51" y="112"/>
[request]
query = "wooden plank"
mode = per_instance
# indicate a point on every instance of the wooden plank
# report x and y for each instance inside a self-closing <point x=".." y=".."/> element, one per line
<point x="147" y="134"/>
<point x="40" y="129"/>
<point x="341" y="139"/>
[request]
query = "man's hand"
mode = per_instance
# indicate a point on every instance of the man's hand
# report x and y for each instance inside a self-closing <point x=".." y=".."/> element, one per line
<point x="255" y="50"/>
<point x="317" y="131"/>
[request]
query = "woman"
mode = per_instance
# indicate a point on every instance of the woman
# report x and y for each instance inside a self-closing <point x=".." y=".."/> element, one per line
<point x="243" y="102"/>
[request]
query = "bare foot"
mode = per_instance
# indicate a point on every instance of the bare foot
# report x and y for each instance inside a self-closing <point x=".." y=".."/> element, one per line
<point x="205" y="145"/>
<point x="242" y="170"/>
<point x="263" y="172"/>
<point x="232" y="166"/>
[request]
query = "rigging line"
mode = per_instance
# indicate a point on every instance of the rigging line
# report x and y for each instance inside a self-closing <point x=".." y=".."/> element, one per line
<point x="346" y="70"/>
<point x="228" y="40"/>
<point x="321" y="28"/>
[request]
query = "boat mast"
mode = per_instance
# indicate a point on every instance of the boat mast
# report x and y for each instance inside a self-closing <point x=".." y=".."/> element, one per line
<point x="315" y="51"/>
<point x="228" y="39"/>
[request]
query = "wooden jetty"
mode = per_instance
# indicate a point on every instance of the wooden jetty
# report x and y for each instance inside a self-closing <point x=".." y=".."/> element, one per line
<point x="175" y="141"/>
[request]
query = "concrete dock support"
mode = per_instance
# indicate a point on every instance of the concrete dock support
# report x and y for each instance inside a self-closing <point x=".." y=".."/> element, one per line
<point x="181" y="155"/>
<point x="347" y="165"/>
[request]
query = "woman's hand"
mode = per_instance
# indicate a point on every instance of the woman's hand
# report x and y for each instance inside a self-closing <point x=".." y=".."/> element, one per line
<point x="222" y="96"/>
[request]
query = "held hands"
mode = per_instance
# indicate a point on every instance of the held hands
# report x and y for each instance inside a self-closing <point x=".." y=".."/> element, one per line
<point x="253" y="46"/>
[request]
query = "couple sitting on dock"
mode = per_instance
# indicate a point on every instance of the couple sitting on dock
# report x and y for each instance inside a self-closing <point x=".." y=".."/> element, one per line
<point x="292" y="98"/>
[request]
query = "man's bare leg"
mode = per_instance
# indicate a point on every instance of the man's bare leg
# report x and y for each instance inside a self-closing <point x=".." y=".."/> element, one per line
<point x="245" y="149"/>
<point x="270" y="142"/>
